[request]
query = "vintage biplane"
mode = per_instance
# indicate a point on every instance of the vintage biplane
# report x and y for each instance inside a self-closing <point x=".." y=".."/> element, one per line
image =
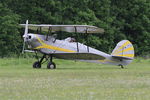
<point x="68" y="48"/>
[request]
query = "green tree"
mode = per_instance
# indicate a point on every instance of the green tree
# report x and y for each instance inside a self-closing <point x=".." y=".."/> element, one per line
<point x="133" y="21"/>
<point x="9" y="34"/>
<point x="121" y="19"/>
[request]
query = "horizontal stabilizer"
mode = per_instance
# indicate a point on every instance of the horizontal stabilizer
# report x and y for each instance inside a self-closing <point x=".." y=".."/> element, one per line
<point x="120" y="57"/>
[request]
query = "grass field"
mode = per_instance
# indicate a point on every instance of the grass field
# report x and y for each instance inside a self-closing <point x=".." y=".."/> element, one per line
<point x="73" y="81"/>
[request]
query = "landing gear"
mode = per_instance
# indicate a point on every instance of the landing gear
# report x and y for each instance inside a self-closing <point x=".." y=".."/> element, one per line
<point x="121" y="66"/>
<point x="50" y="65"/>
<point x="37" y="64"/>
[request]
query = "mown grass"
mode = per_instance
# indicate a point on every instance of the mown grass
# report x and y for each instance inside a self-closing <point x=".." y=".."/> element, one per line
<point x="73" y="81"/>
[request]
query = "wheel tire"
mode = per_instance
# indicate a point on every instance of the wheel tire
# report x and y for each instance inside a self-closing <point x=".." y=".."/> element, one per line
<point x="37" y="64"/>
<point x="51" y="65"/>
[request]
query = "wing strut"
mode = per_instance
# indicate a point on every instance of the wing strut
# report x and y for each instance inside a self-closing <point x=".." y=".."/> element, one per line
<point x="39" y="30"/>
<point x="76" y="38"/>
<point x="49" y="32"/>
<point x="87" y="39"/>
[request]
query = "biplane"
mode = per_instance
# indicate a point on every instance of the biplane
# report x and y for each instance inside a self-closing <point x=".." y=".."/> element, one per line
<point x="69" y="48"/>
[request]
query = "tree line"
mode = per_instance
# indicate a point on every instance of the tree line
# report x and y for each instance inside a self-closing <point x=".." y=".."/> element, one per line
<point x="121" y="19"/>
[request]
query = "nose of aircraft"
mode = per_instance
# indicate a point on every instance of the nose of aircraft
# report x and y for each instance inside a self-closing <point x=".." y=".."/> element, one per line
<point x="25" y="37"/>
<point x="28" y="37"/>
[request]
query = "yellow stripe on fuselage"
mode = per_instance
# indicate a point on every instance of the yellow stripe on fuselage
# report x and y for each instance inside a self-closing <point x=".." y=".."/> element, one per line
<point x="44" y="45"/>
<point x="54" y="48"/>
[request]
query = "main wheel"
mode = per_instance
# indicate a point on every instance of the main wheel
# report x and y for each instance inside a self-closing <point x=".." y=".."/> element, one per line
<point x="37" y="64"/>
<point x="51" y="65"/>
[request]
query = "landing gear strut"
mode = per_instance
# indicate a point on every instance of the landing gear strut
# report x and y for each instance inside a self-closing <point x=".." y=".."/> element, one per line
<point x="121" y="66"/>
<point x="50" y="65"/>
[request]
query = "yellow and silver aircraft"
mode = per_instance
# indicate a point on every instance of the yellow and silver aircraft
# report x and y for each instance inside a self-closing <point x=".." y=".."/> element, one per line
<point x="68" y="48"/>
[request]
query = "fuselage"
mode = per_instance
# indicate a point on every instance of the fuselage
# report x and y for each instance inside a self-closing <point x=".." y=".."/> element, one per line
<point x="50" y="45"/>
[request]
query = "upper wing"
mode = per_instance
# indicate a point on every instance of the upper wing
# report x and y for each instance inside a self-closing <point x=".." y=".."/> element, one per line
<point x="78" y="56"/>
<point x="66" y="28"/>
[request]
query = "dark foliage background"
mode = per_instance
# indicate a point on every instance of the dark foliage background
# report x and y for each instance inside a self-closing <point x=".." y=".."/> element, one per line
<point x="121" y="19"/>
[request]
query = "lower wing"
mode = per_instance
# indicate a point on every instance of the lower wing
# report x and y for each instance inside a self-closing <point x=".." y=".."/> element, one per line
<point x="79" y="56"/>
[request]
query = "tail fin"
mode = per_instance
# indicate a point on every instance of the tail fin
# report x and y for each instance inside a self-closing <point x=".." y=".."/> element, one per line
<point x="123" y="54"/>
<point x="124" y="50"/>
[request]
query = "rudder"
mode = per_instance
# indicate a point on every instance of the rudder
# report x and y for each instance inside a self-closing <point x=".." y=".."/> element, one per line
<point x="124" y="50"/>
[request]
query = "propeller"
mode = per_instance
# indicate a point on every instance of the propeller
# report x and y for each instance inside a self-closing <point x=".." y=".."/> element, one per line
<point x="25" y="36"/>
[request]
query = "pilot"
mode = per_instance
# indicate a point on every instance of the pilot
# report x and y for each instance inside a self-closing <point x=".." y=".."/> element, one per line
<point x="69" y="39"/>
<point x="72" y="40"/>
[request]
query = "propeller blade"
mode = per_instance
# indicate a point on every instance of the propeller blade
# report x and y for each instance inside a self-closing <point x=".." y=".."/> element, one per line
<point x="25" y="36"/>
<point x="26" y="30"/>
<point x="23" y="48"/>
